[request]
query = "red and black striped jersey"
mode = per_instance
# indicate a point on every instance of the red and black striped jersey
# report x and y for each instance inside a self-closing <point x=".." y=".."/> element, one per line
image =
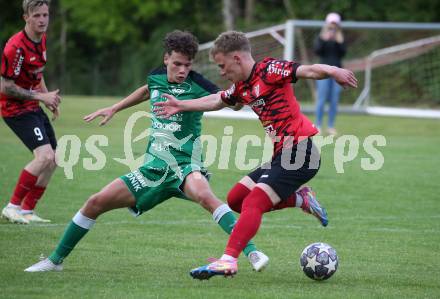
<point x="23" y="61"/>
<point x="269" y="92"/>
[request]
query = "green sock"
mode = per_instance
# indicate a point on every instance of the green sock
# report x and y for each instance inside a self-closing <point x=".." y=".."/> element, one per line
<point x="226" y="219"/>
<point x="72" y="235"/>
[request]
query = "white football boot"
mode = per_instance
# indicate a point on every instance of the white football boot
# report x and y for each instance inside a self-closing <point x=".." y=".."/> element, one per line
<point x="44" y="266"/>
<point x="258" y="260"/>
<point x="13" y="215"/>
<point x="34" y="218"/>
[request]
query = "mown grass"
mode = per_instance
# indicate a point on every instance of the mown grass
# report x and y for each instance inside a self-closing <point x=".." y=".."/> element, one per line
<point x="384" y="224"/>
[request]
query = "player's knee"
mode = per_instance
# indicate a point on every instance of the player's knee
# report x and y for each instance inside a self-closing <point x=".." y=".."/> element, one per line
<point x="206" y="199"/>
<point x="95" y="204"/>
<point x="47" y="160"/>
<point x="52" y="164"/>
<point x="236" y="196"/>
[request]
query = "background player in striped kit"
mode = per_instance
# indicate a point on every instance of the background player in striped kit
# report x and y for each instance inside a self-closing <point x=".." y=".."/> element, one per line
<point x="22" y="88"/>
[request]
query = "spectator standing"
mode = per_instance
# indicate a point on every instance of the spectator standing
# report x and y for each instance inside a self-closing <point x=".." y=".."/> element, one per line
<point x="330" y="47"/>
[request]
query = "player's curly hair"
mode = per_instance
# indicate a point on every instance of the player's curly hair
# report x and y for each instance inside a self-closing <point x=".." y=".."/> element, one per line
<point x="230" y="41"/>
<point x="182" y="42"/>
<point x="30" y="5"/>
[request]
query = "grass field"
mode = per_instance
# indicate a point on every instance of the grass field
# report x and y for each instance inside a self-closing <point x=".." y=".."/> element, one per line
<point x="385" y="224"/>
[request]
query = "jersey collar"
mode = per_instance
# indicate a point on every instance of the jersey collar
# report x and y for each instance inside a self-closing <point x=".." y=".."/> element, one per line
<point x="251" y="74"/>
<point x="29" y="39"/>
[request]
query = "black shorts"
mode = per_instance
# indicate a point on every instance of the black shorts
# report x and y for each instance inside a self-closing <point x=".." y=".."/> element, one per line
<point x="289" y="170"/>
<point x="33" y="128"/>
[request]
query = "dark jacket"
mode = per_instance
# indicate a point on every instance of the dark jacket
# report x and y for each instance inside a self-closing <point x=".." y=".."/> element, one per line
<point x="330" y="52"/>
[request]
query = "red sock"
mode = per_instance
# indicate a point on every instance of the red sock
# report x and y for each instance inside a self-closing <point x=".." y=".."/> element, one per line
<point x="32" y="198"/>
<point x="290" y="202"/>
<point x="254" y="206"/>
<point x="25" y="183"/>
<point x="236" y="196"/>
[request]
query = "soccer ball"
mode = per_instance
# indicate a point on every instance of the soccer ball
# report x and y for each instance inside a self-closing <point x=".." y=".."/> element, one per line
<point x="319" y="261"/>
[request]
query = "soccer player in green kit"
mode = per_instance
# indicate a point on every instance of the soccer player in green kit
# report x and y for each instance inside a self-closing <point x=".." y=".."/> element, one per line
<point x="173" y="164"/>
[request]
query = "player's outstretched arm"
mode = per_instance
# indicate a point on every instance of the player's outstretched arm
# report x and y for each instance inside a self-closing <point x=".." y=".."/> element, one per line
<point x="139" y="95"/>
<point x="344" y="77"/>
<point x="172" y="105"/>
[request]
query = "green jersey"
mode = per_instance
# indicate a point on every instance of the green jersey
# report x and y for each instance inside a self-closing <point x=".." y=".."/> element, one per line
<point x="176" y="139"/>
<point x="174" y="149"/>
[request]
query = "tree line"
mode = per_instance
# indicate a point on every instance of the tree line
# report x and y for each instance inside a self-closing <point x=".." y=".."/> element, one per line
<point x="107" y="47"/>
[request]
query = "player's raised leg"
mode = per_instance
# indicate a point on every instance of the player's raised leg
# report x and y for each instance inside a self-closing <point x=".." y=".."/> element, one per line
<point x="305" y="198"/>
<point x="113" y="196"/>
<point x="196" y="187"/>
<point x="260" y="200"/>
<point x="311" y="205"/>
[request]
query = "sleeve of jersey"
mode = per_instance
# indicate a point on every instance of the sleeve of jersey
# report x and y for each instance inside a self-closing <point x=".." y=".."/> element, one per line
<point x="207" y="86"/>
<point x="228" y="96"/>
<point x="12" y="62"/>
<point x="280" y="71"/>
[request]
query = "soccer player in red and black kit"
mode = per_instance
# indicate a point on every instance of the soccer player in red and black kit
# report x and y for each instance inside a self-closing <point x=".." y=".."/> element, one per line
<point x="22" y="88"/>
<point x="266" y="87"/>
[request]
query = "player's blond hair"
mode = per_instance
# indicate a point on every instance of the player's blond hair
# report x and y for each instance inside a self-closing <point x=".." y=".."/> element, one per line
<point x="230" y="41"/>
<point x="30" y="5"/>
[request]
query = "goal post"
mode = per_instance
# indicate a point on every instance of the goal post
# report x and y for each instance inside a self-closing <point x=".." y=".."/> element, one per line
<point x="395" y="54"/>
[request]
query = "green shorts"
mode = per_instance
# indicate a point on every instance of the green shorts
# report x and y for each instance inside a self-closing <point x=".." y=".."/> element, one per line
<point x="151" y="185"/>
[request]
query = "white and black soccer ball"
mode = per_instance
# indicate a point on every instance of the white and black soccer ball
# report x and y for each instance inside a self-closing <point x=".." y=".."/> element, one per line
<point x="319" y="261"/>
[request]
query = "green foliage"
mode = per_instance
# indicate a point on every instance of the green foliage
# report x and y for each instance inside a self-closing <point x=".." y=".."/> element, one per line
<point x="374" y="10"/>
<point x="10" y="19"/>
<point x="109" y="22"/>
<point x="111" y="45"/>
